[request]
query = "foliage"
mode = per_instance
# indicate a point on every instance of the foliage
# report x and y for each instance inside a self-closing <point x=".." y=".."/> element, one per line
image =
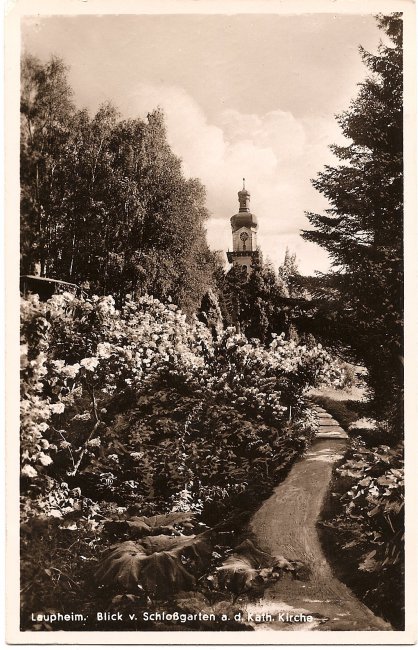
<point x="46" y="113"/>
<point x="55" y="563"/>
<point x="137" y="422"/>
<point x="79" y="352"/>
<point x="254" y="300"/>
<point x="288" y="272"/>
<point x="210" y="313"/>
<point x="172" y="523"/>
<point x="363" y="228"/>
<point x="344" y="411"/>
<point x="160" y="564"/>
<point x="76" y="353"/>
<point x="266" y="302"/>
<point x="249" y="567"/>
<point x="104" y="200"/>
<point x="366" y="521"/>
<point x="266" y="380"/>
<point x="192" y="602"/>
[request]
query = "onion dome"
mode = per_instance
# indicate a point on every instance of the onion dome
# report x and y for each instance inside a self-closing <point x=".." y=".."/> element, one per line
<point x="244" y="217"/>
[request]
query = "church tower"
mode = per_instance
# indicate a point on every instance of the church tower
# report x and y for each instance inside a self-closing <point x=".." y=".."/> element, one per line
<point x="244" y="233"/>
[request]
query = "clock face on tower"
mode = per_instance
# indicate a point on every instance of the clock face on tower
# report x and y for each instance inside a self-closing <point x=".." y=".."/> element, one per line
<point x="243" y="237"/>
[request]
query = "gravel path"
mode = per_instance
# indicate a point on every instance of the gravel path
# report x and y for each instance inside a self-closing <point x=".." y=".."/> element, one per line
<point x="285" y="525"/>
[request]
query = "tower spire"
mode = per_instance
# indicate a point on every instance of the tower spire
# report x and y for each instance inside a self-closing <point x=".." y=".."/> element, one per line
<point x="244" y="198"/>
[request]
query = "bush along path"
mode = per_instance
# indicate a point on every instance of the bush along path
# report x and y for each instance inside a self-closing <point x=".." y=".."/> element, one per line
<point x="142" y="439"/>
<point x="285" y="526"/>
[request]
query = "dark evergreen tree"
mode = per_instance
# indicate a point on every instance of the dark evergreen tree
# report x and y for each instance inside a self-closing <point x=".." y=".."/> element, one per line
<point x="254" y="300"/>
<point x="363" y="229"/>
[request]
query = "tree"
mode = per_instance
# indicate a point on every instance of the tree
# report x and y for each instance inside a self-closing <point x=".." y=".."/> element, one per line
<point x="254" y="300"/>
<point x="288" y="272"/>
<point x="46" y="110"/>
<point x="363" y="228"/>
<point x="104" y="200"/>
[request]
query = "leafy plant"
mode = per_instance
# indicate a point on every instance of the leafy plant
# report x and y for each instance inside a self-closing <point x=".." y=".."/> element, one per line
<point x="248" y="567"/>
<point x="366" y="523"/>
<point x="159" y="564"/>
<point x="78" y="354"/>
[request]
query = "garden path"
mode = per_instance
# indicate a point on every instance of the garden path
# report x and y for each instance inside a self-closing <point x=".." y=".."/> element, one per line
<point x="285" y="525"/>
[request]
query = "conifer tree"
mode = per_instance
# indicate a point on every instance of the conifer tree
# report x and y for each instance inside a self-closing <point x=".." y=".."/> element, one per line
<point x="363" y="228"/>
<point x="254" y="300"/>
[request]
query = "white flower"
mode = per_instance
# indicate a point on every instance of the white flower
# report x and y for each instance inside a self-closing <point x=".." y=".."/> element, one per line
<point x="104" y="350"/>
<point x="89" y="363"/>
<point x="83" y="417"/>
<point x="69" y="526"/>
<point x="44" y="459"/>
<point x="58" y="407"/>
<point x="28" y="470"/>
<point x="71" y="371"/>
<point x="58" y="364"/>
<point x="94" y="442"/>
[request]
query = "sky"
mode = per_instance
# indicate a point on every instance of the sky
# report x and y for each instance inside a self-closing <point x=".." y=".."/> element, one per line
<point x="251" y="96"/>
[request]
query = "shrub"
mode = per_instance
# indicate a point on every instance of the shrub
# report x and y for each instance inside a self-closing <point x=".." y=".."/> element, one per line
<point x="79" y="354"/>
<point x="132" y="413"/>
<point x="366" y="522"/>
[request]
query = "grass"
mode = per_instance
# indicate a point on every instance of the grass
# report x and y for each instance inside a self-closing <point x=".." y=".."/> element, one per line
<point x="346" y="405"/>
<point x="350" y="406"/>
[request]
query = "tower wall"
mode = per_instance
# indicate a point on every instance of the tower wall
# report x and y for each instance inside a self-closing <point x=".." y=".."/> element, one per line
<point x="249" y="244"/>
<point x="246" y="261"/>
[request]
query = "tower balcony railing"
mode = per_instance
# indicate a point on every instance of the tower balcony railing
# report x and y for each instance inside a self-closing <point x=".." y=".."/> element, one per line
<point x="233" y="254"/>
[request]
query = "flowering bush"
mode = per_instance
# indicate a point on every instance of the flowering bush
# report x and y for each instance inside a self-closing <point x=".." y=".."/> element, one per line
<point x="180" y="450"/>
<point x="142" y="406"/>
<point x="76" y="353"/>
<point x="36" y="408"/>
<point x="139" y="411"/>
<point x="269" y="382"/>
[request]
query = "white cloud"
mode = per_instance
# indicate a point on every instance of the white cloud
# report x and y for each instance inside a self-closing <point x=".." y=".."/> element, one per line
<point x="277" y="153"/>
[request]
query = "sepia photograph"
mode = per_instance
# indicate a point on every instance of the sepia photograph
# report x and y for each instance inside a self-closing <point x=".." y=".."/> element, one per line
<point x="210" y="215"/>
